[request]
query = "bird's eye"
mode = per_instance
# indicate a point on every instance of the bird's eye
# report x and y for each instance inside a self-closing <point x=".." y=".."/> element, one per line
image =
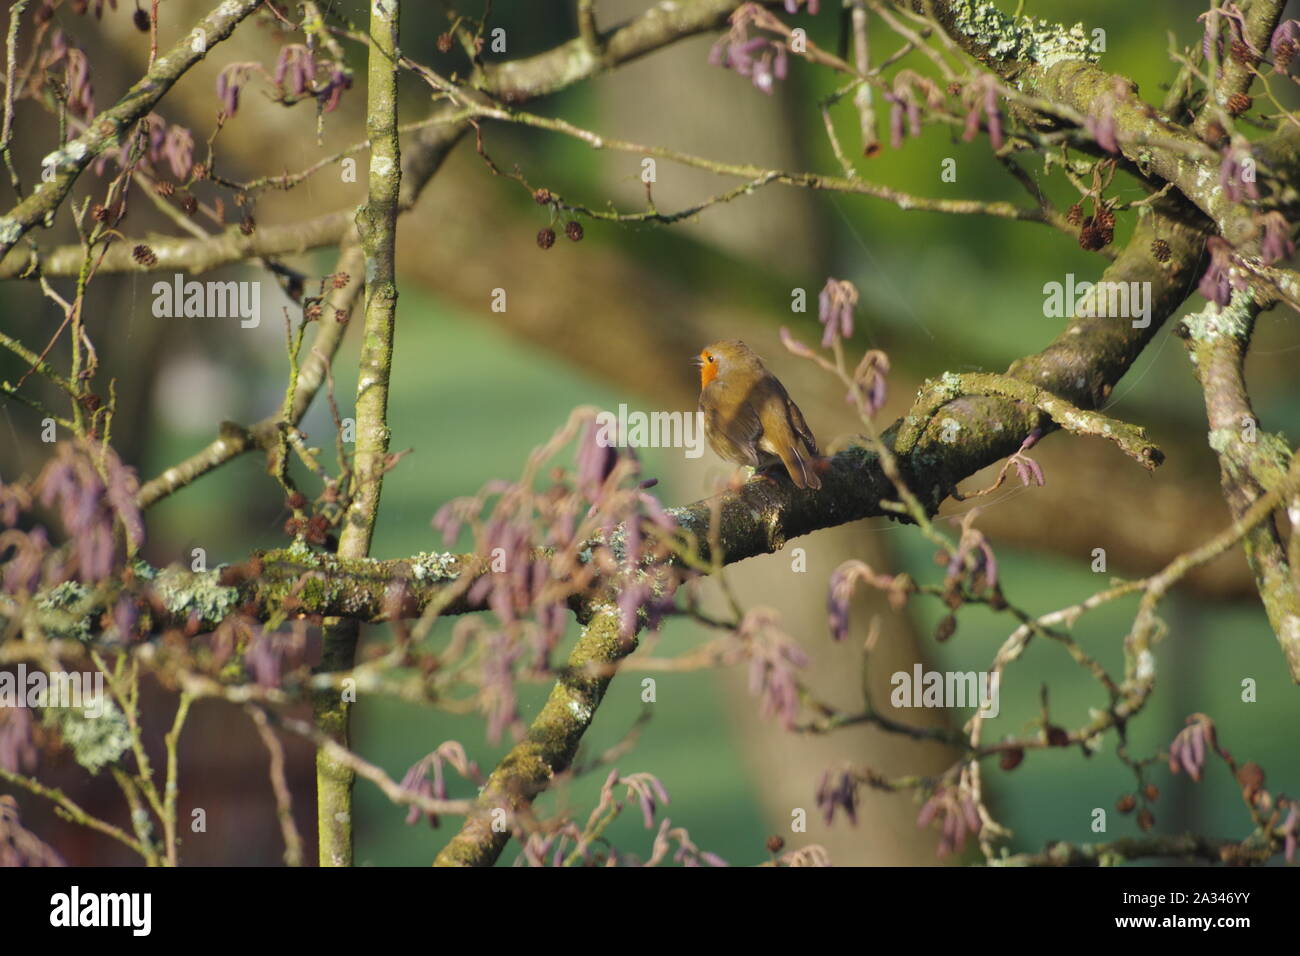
<point x="710" y="358"/>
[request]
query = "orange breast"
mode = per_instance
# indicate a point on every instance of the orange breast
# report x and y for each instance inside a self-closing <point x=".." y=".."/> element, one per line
<point x="708" y="372"/>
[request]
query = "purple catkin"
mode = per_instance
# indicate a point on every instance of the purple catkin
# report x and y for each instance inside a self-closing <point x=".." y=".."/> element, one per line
<point x="595" y="462"/>
<point x="22" y="572"/>
<point x="1176" y="753"/>
<point x="1287" y="30"/>
<point x="630" y="601"/>
<point x="1028" y="470"/>
<point x="447" y="521"/>
<point x="121" y="492"/>
<point x="972" y="127"/>
<point x="929" y="810"/>
<point x="647" y="808"/>
<point x="879" y="391"/>
<point x="656" y="513"/>
<point x="263" y="659"/>
<point x="1290" y="828"/>
<point x="228" y="92"/>
<point x="837" y="603"/>
<point x="994" y="116"/>
<point x="304" y="73"/>
<point x="157" y="133"/>
<point x="12" y="500"/>
<point x="793" y="345"/>
<point x="497" y="691"/>
<point x="1102" y="128"/>
<point x="81" y="97"/>
<point x="1197" y="739"/>
<point x="282" y="65"/>
<point x="1216" y="284"/>
<point x="178" y="149"/>
<point x="830" y="797"/>
<point x="1211" y="37"/>
<point x="913" y="117"/>
<point x="333" y="91"/>
<point x="990" y="563"/>
<point x="125" y="616"/>
<point x="842" y="795"/>
<point x="17" y="751"/>
<point x="1276" y="244"/>
<point x="1232" y="173"/>
<point x="895" y="121"/>
<point x="835" y="310"/>
<point x="417" y="782"/>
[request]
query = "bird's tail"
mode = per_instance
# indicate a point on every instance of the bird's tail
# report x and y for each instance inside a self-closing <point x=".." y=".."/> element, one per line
<point x="802" y="470"/>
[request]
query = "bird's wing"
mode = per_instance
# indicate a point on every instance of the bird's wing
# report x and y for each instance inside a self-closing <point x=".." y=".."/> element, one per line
<point x="739" y="427"/>
<point x="797" y="423"/>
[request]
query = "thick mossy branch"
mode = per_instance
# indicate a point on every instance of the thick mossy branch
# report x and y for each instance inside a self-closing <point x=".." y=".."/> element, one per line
<point x="291" y="581"/>
<point x="1252" y="462"/>
<point x="1131" y="439"/>
<point x="549" y="747"/>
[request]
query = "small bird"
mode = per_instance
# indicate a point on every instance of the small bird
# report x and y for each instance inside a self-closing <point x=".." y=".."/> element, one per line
<point x="749" y="417"/>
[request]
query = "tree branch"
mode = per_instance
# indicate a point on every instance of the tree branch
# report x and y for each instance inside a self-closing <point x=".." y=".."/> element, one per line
<point x="377" y="228"/>
<point x="110" y="126"/>
<point x="1252" y="462"/>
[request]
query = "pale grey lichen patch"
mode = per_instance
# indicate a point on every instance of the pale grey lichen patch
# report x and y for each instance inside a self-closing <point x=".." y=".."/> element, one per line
<point x="300" y="551"/>
<point x="64" y="596"/>
<point x="1233" y="321"/>
<point x="1222" y="438"/>
<point x="949" y="385"/>
<point x="10" y="230"/>
<point x="1291" y="628"/>
<point x="95" y="741"/>
<point x="1024" y="38"/>
<point x="185" y="593"/>
<point x="1146" y="666"/>
<point x="70" y="156"/>
<point x="580" y="710"/>
<point x="69" y="603"/>
<point x="431" y="566"/>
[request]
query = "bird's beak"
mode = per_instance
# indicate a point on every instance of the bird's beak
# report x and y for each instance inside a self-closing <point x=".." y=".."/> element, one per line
<point x="698" y="361"/>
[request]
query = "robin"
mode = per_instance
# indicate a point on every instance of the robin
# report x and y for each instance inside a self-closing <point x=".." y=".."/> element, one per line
<point x="749" y="417"/>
